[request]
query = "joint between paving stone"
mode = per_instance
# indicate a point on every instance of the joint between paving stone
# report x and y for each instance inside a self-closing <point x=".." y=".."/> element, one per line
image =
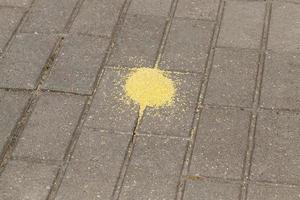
<point x="36" y="160"/>
<point x="279" y="110"/>
<point x="65" y="35"/>
<point x="166" y="33"/>
<point x="73" y="15"/>
<point x="26" y="90"/>
<point x="210" y="105"/>
<point x="75" y="136"/>
<point x="208" y="66"/>
<point x="237" y="48"/>
<point x="211" y="179"/>
<point x="194" y="18"/>
<point x="14" y="7"/>
<point x="255" y="105"/>
<point x="179" y="72"/>
<point x="236" y="181"/>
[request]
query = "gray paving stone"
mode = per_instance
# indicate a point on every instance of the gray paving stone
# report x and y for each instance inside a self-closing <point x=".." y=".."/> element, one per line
<point x="9" y="19"/>
<point x="77" y="64"/>
<point x="175" y="120"/>
<point x="150" y="7"/>
<point x="50" y="127"/>
<point x="281" y="81"/>
<point x="19" y="3"/>
<point x="242" y="24"/>
<point x="197" y="9"/>
<point x="198" y="190"/>
<point x="110" y="109"/>
<point x="138" y="41"/>
<point x="11" y="107"/>
<point x="23" y="64"/>
<point x="285" y="28"/>
<point x="94" y="169"/>
<point x="97" y="17"/>
<point x="22" y="181"/>
<point x="154" y="169"/>
<point x="232" y="80"/>
<point x="276" y="154"/>
<point x="221" y="143"/>
<point x="49" y="16"/>
<point x="257" y="192"/>
<point x="188" y="45"/>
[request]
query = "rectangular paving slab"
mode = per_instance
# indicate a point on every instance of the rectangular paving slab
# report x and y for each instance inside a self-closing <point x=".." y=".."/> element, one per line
<point x="138" y="42"/>
<point x="11" y="107"/>
<point x="242" y="24"/>
<point x="188" y="45"/>
<point x="196" y="190"/>
<point x="95" y="166"/>
<point x="50" y="127"/>
<point x="221" y="143"/>
<point x="77" y="64"/>
<point x="285" y="28"/>
<point x="233" y="76"/>
<point x="97" y="17"/>
<point x="281" y="81"/>
<point x="26" y="180"/>
<point x="49" y="16"/>
<point x="197" y="9"/>
<point x="150" y="7"/>
<point x="176" y="119"/>
<point x="276" y="154"/>
<point x="9" y="20"/>
<point x="22" y="65"/>
<point x="153" y="172"/>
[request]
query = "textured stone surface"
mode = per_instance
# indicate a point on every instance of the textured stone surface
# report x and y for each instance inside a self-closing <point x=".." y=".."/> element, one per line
<point x="22" y="65"/>
<point x="232" y="80"/>
<point x="9" y="20"/>
<point x="175" y="120"/>
<point x="95" y="166"/>
<point x="110" y="110"/>
<point x="11" y="107"/>
<point x="19" y="3"/>
<point x="281" y="81"/>
<point x="257" y="192"/>
<point x="188" y="45"/>
<point x="242" y="24"/>
<point x="77" y="64"/>
<point x="197" y="9"/>
<point x="103" y="163"/>
<point x="138" y="41"/>
<point x="276" y="156"/>
<point x="150" y="7"/>
<point x="49" y="16"/>
<point x="22" y="180"/>
<point x="97" y="17"/>
<point x="221" y="143"/>
<point x="154" y="169"/>
<point x="285" y="28"/>
<point x="50" y="127"/>
<point x="211" y="191"/>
